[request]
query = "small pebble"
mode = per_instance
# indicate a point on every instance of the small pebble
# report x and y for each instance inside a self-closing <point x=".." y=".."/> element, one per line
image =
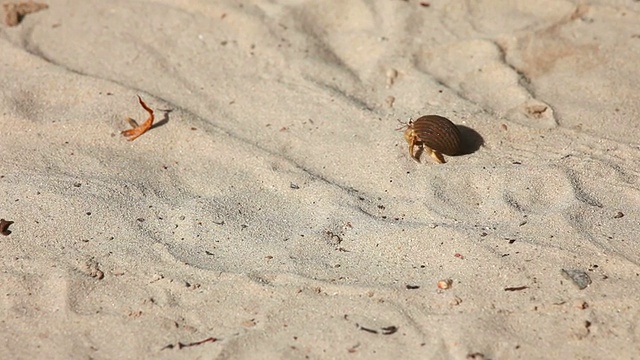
<point x="445" y="284"/>
<point x="579" y="277"/>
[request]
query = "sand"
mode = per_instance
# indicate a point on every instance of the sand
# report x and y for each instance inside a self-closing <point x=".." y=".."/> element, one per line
<point x="273" y="212"/>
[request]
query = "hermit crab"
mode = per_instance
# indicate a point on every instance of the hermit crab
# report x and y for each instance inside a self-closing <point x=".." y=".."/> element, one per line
<point x="435" y="134"/>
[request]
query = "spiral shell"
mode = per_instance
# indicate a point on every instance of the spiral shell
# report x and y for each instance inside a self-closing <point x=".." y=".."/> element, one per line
<point x="436" y="134"/>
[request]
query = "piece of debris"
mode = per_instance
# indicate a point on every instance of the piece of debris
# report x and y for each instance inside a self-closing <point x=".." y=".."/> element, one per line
<point x="138" y="130"/>
<point x="195" y="343"/>
<point x="354" y="348"/>
<point x="475" y="356"/>
<point x="15" y="12"/>
<point x="582" y="305"/>
<point x="618" y="215"/>
<point x="388" y="330"/>
<point x="579" y="277"/>
<point x="445" y="284"/>
<point x="390" y="100"/>
<point x="4" y="227"/>
<point x="92" y="268"/>
<point x="392" y="75"/>
<point x="367" y="329"/>
<point x="516" y="288"/>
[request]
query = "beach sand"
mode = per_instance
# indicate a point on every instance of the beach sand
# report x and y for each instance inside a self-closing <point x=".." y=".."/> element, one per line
<point x="273" y="211"/>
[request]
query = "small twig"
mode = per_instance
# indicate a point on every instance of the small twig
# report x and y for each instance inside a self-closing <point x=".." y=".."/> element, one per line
<point x="195" y="343"/>
<point x="516" y="288"/>
<point x="384" y="331"/>
<point x="367" y="329"/>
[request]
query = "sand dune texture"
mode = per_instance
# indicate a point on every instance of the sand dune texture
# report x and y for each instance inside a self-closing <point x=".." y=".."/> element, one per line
<point x="273" y="212"/>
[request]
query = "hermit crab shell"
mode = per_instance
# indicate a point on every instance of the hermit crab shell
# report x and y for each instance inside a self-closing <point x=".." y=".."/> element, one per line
<point x="437" y="133"/>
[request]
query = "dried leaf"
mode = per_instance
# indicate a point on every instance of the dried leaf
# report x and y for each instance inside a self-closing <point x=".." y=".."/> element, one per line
<point x="138" y="130"/>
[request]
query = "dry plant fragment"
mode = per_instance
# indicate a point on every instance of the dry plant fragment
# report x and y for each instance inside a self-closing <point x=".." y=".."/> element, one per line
<point x="138" y="130"/>
<point x="195" y="343"/>
<point x="16" y="11"/>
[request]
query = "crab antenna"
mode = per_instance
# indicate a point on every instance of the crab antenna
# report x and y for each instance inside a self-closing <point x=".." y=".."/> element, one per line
<point x="404" y="125"/>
